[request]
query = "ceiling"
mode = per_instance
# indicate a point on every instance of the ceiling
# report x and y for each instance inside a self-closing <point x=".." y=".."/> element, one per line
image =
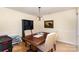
<point x="43" y="10"/>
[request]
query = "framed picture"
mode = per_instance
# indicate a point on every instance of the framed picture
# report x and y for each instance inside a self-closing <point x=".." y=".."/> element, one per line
<point x="48" y="24"/>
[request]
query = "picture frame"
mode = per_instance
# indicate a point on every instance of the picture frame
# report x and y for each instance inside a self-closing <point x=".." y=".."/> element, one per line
<point x="48" y="24"/>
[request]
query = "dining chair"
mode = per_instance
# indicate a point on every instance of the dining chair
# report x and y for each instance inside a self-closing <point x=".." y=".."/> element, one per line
<point x="50" y="43"/>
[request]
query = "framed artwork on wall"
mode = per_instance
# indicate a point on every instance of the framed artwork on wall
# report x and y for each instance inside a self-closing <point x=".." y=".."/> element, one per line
<point x="49" y="24"/>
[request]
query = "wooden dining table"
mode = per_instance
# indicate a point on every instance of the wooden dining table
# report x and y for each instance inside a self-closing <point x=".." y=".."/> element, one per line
<point x="35" y="41"/>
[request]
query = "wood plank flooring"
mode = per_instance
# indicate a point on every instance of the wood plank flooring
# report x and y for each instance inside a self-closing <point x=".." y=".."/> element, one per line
<point x="64" y="47"/>
<point x="60" y="47"/>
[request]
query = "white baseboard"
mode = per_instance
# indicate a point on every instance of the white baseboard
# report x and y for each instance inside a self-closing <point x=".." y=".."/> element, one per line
<point x="70" y="43"/>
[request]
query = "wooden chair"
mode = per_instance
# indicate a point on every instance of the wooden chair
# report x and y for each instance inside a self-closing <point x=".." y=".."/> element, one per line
<point x="50" y="43"/>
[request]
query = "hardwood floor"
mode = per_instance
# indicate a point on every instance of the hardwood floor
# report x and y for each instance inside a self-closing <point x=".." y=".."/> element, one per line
<point x="20" y="47"/>
<point x="64" y="47"/>
<point x="60" y="47"/>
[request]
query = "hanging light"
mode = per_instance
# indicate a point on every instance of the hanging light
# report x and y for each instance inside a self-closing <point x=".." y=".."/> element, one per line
<point x="39" y="15"/>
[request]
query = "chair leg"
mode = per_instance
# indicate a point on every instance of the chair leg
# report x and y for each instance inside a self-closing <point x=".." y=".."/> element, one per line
<point x="55" y="47"/>
<point x="51" y="50"/>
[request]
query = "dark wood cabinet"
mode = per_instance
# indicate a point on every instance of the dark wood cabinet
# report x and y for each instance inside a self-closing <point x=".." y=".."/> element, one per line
<point x="5" y="44"/>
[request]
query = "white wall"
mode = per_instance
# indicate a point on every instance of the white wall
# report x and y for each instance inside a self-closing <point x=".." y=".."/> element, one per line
<point x="10" y="21"/>
<point x="64" y="24"/>
<point x="78" y="29"/>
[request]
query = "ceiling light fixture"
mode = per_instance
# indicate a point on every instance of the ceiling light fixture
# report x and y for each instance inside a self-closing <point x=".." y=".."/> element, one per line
<point x="39" y="15"/>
